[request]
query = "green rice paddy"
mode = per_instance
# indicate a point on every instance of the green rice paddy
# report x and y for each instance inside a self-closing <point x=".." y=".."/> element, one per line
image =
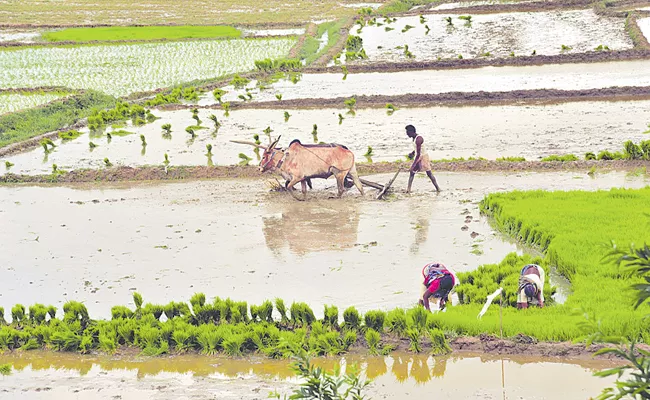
<point x="113" y="33"/>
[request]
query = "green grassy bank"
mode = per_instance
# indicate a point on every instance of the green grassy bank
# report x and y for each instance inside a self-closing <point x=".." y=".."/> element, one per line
<point x="22" y="125"/>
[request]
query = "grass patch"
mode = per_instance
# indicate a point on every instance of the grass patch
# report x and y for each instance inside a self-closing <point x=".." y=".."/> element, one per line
<point x="141" y="33"/>
<point x="511" y="159"/>
<point x="23" y="125"/>
<point x="565" y="157"/>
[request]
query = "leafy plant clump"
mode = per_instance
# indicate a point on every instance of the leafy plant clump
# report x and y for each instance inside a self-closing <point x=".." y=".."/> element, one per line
<point x="175" y="96"/>
<point x="69" y="135"/>
<point x="562" y="158"/>
<point x="239" y="82"/>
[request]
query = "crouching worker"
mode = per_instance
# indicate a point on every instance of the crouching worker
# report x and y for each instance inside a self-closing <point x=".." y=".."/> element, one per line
<point x="531" y="286"/>
<point x="438" y="282"/>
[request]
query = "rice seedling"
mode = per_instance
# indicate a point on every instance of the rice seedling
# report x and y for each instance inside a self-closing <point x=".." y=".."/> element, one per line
<point x="460" y="56"/>
<point x="512" y="54"/>
<point x="565" y="48"/>
<point x="286" y="116"/>
<point x="331" y="316"/>
<point x="351" y="319"/>
<point x="242" y="97"/>
<point x="218" y="94"/>
<point x="450" y="21"/>
<point x="562" y="158"/>
<point x="197" y="119"/>
<point x="190" y="130"/>
<point x="226" y="108"/>
<point x="143" y="139"/>
<point x="244" y="159"/>
<point x="350" y="103"/>
<point x="388" y="29"/>
<point x="5" y="369"/>
<point x="511" y="159"/>
<point x="18" y="313"/>
<point x="534" y="53"/>
<point x="368" y="152"/>
<point x="372" y="339"/>
<point x="282" y="310"/>
<point x="8" y="164"/>
<point x="439" y="344"/>
<point x="69" y="135"/>
<point x="107" y="162"/>
<point x="422" y="19"/>
<point x="417" y="318"/>
<point x="47" y="144"/>
<point x="414" y="340"/>
<point x="238" y="82"/>
<point x="109" y="137"/>
<point x="407" y="53"/>
<point x="278" y="96"/>
<point x="487" y="54"/>
<point x="91" y="146"/>
<point x="345" y="71"/>
<point x="375" y="320"/>
<point x="166" y="162"/>
<point x="341" y="118"/>
<point x="301" y="314"/>
<point x="396" y="321"/>
<point x="467" y="19"/>
<point x="407" y="28"/>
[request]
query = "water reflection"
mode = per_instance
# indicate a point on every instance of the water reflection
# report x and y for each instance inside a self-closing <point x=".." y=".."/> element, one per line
<point x="421" y="368"/>
<point x="306" y="227"/>
<point x="420" y="217"/>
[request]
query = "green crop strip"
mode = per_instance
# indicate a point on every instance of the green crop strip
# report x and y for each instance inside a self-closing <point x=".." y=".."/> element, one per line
<point x="573" y="229"/>
<point x="23" y="125"/>
<point x="222" y="326"/>
<point x="141" y="33"/>
<point x="310" y="51"/>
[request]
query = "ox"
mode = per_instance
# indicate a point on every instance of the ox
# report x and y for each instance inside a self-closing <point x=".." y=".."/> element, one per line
<point x="299" y="163"/>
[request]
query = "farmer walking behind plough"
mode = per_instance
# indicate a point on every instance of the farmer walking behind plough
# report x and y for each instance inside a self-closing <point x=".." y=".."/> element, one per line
<point x="420" y="157"/>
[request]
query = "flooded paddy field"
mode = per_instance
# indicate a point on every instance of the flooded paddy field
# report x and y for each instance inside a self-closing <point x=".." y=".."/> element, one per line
<point x="531" y="131"/>
<point x="644" y="25"/>
<point x="577" y="76"/>
<point x="493" y="35"/>
<point x="398" y="376"/>
<point x="99" y="243"/>
<point x="122" y="69"/>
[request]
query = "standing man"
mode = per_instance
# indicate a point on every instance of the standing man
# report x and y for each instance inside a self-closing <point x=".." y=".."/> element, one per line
<point x="420" y="158"/>
<point x="531" y="286"/>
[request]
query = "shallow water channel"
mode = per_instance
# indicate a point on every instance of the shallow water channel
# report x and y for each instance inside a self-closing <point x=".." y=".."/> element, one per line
<point x="577" y="76"/>
<point x="38" y="375"/>
<point x="531" y="131"/>
<point x="227" y="238"/>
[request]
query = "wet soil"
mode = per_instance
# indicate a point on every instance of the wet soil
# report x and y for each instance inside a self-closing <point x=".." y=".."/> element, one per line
<point x="169" y="241"/>
<point x="401" y="375"/>
<point x="531" y="131"/>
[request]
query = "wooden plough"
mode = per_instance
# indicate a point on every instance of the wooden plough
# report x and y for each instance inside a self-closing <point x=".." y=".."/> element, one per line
<point x="383" y="189"/>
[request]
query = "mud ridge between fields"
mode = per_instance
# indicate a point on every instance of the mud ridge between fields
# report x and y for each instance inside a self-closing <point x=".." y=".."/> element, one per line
<point x="524" y="345"/>
<point x="156" y="173"/>
<point x="536" y="96"/>
<point x="518" y="61"/>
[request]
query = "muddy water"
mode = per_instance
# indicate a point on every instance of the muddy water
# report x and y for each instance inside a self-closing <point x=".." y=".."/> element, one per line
<point x="489" y="79"/>
<point x="644" y="25"/>
<point x="463" y="4"/>
<point x="500" y="35"/>
<point x="10" y="35"/>
<point x="399" y="376"/>
<point x="530" y="131"/>
<point x="233" y="239"/>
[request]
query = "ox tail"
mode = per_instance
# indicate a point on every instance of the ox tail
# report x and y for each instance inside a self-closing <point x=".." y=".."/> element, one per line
<point x="355" y="178"/>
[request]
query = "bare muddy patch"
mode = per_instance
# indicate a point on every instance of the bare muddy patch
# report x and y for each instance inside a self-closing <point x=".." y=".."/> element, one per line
<point x="493" y="35"/>
<point x="235" y="239"/>
<point x="529" y="131"/>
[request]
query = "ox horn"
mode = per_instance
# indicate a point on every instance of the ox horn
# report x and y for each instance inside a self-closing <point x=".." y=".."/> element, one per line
<point x="259" y="146"/>
<point x="275" y="143"/>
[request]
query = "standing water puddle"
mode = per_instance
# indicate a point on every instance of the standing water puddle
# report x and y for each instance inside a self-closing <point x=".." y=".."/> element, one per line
<point x="532" y="132"/>
<point x="644" y="25"/>
<point x="489" y="79"/>
<point x="38" y="375"/>
<point x="227" y="238"/>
